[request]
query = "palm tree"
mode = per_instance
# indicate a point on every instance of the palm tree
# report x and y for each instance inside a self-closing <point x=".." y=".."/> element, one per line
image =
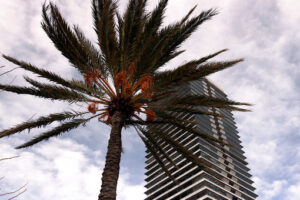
<point x="122" y="81"/>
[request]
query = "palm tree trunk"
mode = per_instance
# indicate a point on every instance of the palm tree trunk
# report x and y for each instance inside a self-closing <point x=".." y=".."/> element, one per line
<point x="110" y="173"/>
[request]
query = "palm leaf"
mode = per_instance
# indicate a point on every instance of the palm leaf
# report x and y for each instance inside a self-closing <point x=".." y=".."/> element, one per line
<point x="186" y="126"/>
<point x="64" y="39"/>
<point x="42" y="121"/>
<point x="180" y="34"/>
<point x="156" y="19"/>
<point x="205" y="165"/>
<point x="156" y="157"/>
<point x="94" y="57"/>
<point x="84" y="88"/>
<point x="104" y="23"/>
<point x="53" y="93"/>
<point x="72" y="84"/>
<point x="189" y="72"/>
<point x="191" y="110"/>
<point x="44" y="73"/>
<point x="152" y="23"/>
<point x="134" y="21"/>
<point x="64" y="127"/>
<point x="196" y="100"/>
<point x="157" y="146"/>
<point x="56" y="92"/>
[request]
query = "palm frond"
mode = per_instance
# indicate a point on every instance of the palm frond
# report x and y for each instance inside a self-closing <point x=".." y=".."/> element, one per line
<point x="206" y="58"/>
<point x="40" y="122"/>
<point x="189" y="72"/>
<point x="191" y="110"/>
<point x="64" y="39"/>
<point x="155" y="19"/>
<point x="188" y="27"/>
<point x="187" y="126"/>
<point x="104" y="12"/>
<point x="64" y="127"/>
<point x="156" y="157"/>
<point x="57" y="92"/>
<point x="94" y="58"/>
<point x="134" y="21"/>
<point x="164" y="45"/>
<point x="197" y="100"/>
<point x="183" y="20"/>
<point x="157" y="146"/>
<point x="77" y="85"/>
<point x="84" y="88"/>
<point x="52" y="93"/>
<point x="150" y="52"/>
<point x="97" y="7"/>
<point x="42" y="72"/>
<point x="205" y="165"/>
<point x="120" y="29"/>
<point x="180" y="32"/>
<point x="194" y="64"/>
<point x="207" y="69"/>
<point x="131" y="27"/>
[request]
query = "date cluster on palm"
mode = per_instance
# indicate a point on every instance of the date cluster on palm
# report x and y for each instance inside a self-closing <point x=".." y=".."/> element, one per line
<point x="127" y="97"/>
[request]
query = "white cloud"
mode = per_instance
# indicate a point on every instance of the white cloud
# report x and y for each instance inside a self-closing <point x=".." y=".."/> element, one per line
<point x="130" y="192"/>
<point x="269" y="190"/>
<point x="293" y="192"/>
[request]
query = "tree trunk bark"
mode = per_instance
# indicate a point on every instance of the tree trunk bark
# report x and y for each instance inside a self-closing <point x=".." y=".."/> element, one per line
<point x="110" y="173"/>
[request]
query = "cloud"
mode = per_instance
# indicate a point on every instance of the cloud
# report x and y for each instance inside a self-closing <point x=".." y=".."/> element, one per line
<point x="293" y="192"/>
<point x="130" y="191"/>
<point x="270" y="190"/>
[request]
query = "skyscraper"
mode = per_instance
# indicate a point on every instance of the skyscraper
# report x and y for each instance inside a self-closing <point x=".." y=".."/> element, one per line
<point x="234" y="182"/>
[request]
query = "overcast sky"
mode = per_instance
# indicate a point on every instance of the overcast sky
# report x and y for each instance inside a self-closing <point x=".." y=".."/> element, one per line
<point x="266" y="33"/>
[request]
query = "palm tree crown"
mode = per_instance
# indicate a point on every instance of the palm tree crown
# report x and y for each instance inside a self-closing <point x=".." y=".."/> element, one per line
<point x="122" y="83"/>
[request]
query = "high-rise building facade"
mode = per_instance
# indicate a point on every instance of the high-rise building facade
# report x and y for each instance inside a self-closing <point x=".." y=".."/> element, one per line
<point x="234" y="182"/>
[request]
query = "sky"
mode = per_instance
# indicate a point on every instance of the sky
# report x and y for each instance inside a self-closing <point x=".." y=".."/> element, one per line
<point x="265" y="33"/>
